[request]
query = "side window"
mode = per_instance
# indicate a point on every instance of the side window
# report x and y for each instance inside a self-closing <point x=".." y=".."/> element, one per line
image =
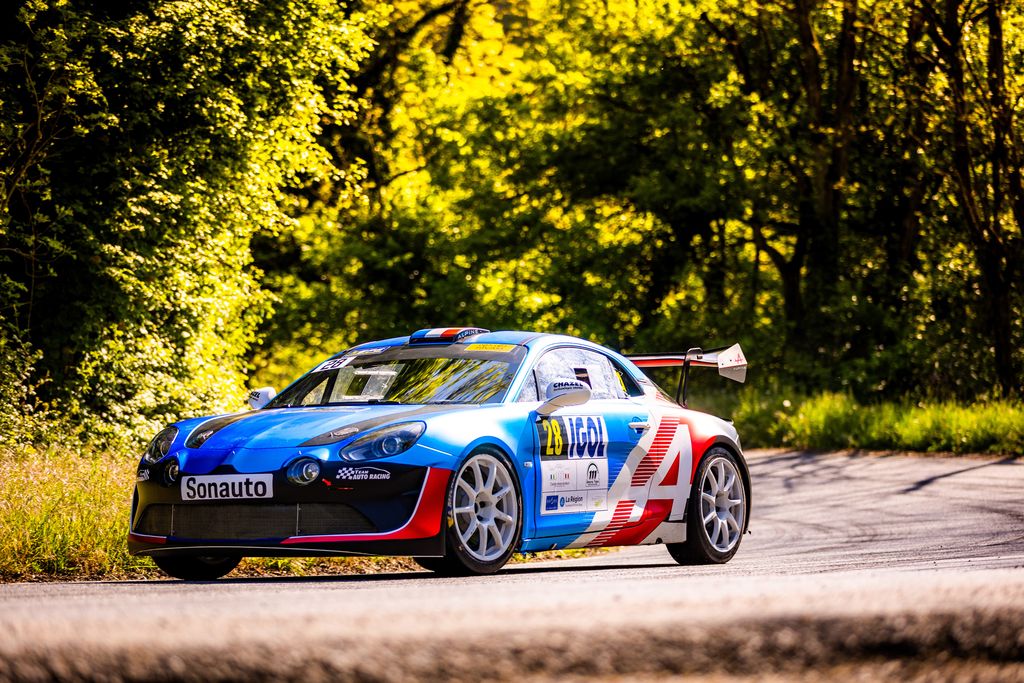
<point x="587" y="366"/>
<point x="626" y="381"/>
<point x="529" y="391"/>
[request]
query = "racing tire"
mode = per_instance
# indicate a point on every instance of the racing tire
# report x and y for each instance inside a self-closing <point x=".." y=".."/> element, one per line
<point x="483" y="517"/>
<point x="716" y="514"/>
<point x="197" y="567"/>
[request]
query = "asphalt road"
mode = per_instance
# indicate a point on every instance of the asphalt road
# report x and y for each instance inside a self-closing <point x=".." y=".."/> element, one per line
<point x="857" y="567"/>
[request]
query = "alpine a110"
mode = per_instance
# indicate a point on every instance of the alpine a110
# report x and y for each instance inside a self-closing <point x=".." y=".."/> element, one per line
<point x="456" y="446"/>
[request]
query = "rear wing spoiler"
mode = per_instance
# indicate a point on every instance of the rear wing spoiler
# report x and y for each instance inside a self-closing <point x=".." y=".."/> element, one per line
<point x="730" y="361"/>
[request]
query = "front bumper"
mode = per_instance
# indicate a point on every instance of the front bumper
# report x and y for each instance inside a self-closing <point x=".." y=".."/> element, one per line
<point x="372" y="509"/>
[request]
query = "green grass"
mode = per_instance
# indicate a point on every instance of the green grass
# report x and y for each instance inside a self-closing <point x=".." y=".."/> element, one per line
<point x="831" y="421"/>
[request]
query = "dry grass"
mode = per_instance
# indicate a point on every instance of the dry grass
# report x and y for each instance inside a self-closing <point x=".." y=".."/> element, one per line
<point x="64" y="515"/>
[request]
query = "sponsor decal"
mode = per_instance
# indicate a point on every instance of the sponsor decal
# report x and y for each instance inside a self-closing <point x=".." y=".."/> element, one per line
<point x="468" y="332"/>
<point x="367" y="352"/>
<point x="559" y="475"/>
<point x="204" y="435"/>
<point x="566" y="385"/>
<point x="143" y="475"/>
<point x="491" y="348"/>
<point x="571" y="502"/>
<point x="334" y="364"/>
<point x="574" y="462"/>
<point x="339" y="434"/>
<point x="592" y="474"/>
<point x="363" y="474"/>
<point x="227" y="486"/>
<point x="573" y="436"/>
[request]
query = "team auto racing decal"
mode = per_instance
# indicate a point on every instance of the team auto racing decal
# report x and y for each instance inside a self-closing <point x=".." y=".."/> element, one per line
<point x="649" y="493"/>
<point x="573" y="464"/>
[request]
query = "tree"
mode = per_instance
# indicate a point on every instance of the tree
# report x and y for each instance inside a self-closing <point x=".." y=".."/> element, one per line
<point x="984" y="135"/>
<point x="143" y="145"/>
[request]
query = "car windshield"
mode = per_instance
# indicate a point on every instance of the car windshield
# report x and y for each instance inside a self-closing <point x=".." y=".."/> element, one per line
<point x="455" y="373"/>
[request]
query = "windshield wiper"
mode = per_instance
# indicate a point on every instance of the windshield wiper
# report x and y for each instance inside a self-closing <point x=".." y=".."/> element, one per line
<point x="371" y="401"/>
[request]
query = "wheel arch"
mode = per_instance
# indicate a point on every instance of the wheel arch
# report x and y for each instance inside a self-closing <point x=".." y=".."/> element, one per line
<point x="497" y="446"/>
<point x="493" y="447"/>
<point x="723" y="441"/>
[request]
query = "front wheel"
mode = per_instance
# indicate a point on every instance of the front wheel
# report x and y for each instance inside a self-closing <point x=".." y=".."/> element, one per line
<point x="484" y="517"/>
<point x="716" y="512"/>
<point x="197" y="568"/>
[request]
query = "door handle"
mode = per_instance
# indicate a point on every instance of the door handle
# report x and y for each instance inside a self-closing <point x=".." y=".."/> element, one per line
<point x="639" y="426"/>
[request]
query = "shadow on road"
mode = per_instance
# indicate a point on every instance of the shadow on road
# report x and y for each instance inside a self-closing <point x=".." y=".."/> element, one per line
<point x="512" y="570"/>
<point x="918" y="485"/>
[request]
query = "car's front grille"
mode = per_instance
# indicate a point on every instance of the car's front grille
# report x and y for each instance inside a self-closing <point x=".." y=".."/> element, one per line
<point x="227" y="521"/>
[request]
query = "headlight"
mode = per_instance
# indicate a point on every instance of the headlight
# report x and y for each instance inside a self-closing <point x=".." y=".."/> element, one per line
<point x="383" y="443"/>
<point x="171" y="472"/>
<point x="303" y="471"/>
<point x="160" y="445"/>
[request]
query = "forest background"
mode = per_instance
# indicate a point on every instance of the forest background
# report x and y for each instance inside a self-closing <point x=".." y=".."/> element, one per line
<point x="201" y="197"/>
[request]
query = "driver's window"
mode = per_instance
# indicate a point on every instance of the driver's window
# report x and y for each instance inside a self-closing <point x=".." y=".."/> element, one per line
<point x="587" y="366"/>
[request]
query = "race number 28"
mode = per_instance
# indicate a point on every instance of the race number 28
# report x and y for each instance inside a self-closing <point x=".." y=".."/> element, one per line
<point x="573" y="437"/>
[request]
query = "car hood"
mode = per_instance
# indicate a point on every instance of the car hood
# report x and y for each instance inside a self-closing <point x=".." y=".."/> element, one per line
<point x="291" y="427"/>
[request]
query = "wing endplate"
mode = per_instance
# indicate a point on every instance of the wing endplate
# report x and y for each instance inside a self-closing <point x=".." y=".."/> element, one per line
<point x="731" y="362"/>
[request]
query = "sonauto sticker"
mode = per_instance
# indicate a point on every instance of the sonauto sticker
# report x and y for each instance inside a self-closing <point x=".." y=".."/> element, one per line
<point x="227" y="486"/>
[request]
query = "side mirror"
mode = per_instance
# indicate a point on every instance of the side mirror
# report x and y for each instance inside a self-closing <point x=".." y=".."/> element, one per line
<point x="562" y="393"/>
<point x="261" y="397"/>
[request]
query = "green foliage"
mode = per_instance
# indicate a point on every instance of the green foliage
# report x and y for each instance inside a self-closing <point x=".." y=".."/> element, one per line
<point x="144" y="146"/>
<point x="658" y="175"/>
<point x="837" y="421"/>
<point x="200" y="196"/>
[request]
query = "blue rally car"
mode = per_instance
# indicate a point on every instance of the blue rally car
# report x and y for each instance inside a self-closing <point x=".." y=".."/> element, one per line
<point x="456" y="446"/>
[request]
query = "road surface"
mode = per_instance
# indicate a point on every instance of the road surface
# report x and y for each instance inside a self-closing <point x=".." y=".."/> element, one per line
<point x="857" y="567"/>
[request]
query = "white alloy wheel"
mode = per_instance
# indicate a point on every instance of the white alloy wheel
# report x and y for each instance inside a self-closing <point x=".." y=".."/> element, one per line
<point x="485" y="507"/>
<point x="723" y="504"/>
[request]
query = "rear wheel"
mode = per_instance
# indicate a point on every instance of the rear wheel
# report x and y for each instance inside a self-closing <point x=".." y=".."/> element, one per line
<point x="484" y="517"/>
<point x="716" y="515"/>
<point x="198" y="567"/>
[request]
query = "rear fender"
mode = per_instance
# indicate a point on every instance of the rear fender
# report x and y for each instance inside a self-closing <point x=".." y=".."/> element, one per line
<point x="703" y="445"/>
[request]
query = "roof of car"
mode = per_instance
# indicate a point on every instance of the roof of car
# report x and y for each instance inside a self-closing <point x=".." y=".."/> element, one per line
<point x="534" y="340"/>
<point x="501" y="337"/>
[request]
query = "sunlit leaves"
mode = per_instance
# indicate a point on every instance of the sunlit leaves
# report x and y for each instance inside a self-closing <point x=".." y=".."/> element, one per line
<point x="182" y="127"/>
